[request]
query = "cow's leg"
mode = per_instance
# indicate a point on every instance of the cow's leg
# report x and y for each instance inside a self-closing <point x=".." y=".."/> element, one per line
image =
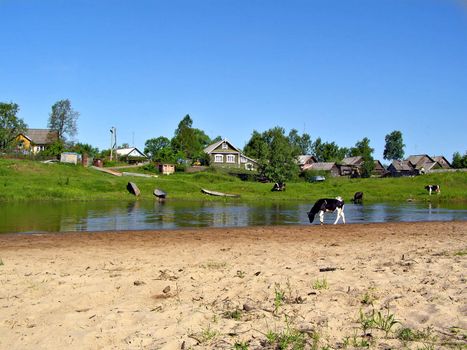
<point x="342" y="214"/>
<point x="339" y="213"/>
<point x="321" y="216"/>
<point x="429" y="191"/>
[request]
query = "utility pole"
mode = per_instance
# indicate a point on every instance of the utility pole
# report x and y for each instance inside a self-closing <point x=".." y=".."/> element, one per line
<point x="113" y="140"/>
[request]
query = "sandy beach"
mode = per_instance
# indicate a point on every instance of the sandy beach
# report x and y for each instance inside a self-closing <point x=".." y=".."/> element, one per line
<point x="312" y="287"/>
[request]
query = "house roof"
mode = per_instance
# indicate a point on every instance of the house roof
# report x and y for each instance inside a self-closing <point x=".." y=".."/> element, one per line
<point x="421" y="161"/>
<point x="41" y="136"/>
<point x="402" y="165"/>
<point x="130" y="152"/>
<point x="305" y="158"/>
<point x="352" y="160"/>
<point x="441" y="160"/>
<point x="209" y="149"/>
<point x="326" y="166"/>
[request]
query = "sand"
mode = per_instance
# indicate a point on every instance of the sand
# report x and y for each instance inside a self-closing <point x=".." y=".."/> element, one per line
<point x="314" y="286"/>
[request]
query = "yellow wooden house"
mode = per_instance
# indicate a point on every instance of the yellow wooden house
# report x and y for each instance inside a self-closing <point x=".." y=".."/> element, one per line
<point x="36" y="140"/>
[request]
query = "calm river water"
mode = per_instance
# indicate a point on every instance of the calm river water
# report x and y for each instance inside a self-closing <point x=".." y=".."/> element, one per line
<point x="148" y="215"/>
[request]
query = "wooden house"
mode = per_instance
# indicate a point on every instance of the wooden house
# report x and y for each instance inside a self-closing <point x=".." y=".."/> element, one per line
<point x="329" y="167"/>
<point x="305" y="160"/>
<point x="379" y="169"/>
<point x="131" y="155"/>
<point x="224" y="154"/>
<point x="401" y="168"/>
<point x="351" y="166"/>
<point x="36" y="140"/>
<point x="443" y="162"/>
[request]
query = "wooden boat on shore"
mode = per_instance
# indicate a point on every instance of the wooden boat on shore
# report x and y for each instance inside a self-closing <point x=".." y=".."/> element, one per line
<point x="133" y="189"/>
<point x="159" y="193"/>
<point x="219" y="194"/>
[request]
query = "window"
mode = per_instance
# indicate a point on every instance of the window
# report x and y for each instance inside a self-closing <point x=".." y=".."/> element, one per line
<point x="224" y="146"/>
<point x="218" y="158"/>
<point x="242" y="160"/>
<point x="230" y="158"/>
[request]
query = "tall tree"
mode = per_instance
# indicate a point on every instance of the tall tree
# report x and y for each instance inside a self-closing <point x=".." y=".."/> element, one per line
<point x="10" y="125"/>
<point x="394" y="148"/>
<point x="328" y="151"/>
<point x="458" y="161"/>
<point x="275" y="154"/>
<point x="362" y="148"/>
<point x="301" y="144"/>
<point x="158" y="149"/>
<point x="188" y="140"/>
<point x="63" y="119"/>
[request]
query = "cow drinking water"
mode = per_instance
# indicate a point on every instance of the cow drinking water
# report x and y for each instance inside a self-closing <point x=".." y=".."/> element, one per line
<point x="433" y="188"/>
<point x="324" y="205"/>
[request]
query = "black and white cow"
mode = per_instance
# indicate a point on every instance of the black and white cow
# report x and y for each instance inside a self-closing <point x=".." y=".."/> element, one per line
<point x="433" y="188"/>
<point x="324" y="205"/>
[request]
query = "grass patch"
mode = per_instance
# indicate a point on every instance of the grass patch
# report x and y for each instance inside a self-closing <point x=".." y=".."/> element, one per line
<point x="33" y="180"/>
<point x="320" y="284"/>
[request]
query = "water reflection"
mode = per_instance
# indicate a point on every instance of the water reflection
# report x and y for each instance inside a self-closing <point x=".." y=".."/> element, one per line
<point x="146" y="215"/>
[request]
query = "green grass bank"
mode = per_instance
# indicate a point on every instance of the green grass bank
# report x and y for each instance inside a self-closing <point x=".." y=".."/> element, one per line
<point x="24" y="180"/>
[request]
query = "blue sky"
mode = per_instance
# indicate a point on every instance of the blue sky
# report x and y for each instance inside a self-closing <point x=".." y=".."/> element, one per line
<point x="339" y="70"/>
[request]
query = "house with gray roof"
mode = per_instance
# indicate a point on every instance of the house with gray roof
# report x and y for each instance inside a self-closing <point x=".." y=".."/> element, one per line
<point x="36" y="140"/>
<point x="224" y="154"/>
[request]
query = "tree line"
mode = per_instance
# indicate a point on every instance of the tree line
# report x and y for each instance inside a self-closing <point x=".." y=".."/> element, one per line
<point x="275" y="151"/>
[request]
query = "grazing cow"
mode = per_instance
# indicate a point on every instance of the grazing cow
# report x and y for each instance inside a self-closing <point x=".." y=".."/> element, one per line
<point x="324" y="205"/>
<point x="278" y="186"/>
<point x="357" y="197"/>
<point x="433" y="188"/>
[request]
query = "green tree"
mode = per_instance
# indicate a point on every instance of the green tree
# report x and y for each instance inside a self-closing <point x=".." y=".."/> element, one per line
<point x="362" y="148"/>
<point x="458" y="161"/>
<point x="301" y="144"/>
<point x="328" y="151"/>
<point x="189" y="141"/>
<point x="394" y="148"/>
<point x="275" y="154"/>
<point x="10" y="125"/>
<point x="85" y="148"/>
<point x="63" y="119"/>
<point x="160" y="150"/>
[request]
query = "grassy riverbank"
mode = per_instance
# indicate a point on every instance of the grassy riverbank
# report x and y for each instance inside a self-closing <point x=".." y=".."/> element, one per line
<point x="28" y="180"/>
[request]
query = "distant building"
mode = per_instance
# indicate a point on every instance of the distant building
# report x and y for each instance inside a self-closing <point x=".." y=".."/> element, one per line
<point x="330" y="167"/>
<point x="401" y="168"/>
<point x="305" y="160"/>
<point x="379" y="169"/>
<point x="225" y="154"/>
<point x="131" y="155"/>
<point x="36" y="140"/>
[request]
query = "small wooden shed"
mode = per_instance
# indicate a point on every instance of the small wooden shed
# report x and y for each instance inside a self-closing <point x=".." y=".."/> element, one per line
<point x="166" y="169"/>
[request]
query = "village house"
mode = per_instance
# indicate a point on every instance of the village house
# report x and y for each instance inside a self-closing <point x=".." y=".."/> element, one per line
<point x="36" y="140"/>
<point x="351" y="166"/>
<point x="379" y="169"/>
<point x="131" y="155"/>
<point x="401" y="168"/>
<point x="330" y="167"/>
<point x="417" y="165"/>
<point x="306" y="159"/>
<point x="224" y="154"/>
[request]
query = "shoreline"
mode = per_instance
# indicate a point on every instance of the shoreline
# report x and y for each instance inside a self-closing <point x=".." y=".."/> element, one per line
<point x="205" y="288"/>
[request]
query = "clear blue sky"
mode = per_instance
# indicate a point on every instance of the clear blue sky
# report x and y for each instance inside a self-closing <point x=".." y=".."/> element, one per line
<point x="339" y="70"/>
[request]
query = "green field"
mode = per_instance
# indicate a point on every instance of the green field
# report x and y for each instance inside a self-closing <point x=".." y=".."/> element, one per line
<point x="22" y="180"/>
